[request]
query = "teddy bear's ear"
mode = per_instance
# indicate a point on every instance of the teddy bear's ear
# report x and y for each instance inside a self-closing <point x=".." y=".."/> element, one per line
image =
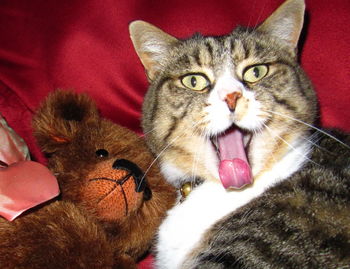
<point x="59" y="118"/>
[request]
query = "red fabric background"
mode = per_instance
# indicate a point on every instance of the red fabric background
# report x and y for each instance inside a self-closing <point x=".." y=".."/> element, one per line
<point x="84" y="45"/>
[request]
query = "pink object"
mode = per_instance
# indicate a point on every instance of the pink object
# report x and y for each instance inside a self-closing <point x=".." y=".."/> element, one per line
<point x="234" y="170"/>
<point x="23" y="183"/>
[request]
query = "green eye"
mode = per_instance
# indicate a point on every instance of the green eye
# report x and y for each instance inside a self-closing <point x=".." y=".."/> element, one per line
<point x="255" y="73"/>
<point x="196" y="82"/>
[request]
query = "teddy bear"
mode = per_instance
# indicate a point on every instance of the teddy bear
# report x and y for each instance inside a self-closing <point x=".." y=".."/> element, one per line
<point x="112" y="195"/>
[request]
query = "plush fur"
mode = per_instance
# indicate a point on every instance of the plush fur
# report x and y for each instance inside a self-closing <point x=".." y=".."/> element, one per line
<point x="112" y="199"/>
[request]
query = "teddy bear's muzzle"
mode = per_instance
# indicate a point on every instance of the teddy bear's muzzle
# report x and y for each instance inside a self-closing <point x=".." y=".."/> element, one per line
<point x="115" y="189"/>
<point x="134" y="170"/>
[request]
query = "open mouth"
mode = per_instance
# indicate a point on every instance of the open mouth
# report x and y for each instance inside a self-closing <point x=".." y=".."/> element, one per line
<point x="234" y="169"/>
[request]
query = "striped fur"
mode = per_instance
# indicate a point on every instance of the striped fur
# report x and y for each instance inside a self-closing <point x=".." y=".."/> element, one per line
<point x="268" y="224"/>
<point x="303" y="222"/>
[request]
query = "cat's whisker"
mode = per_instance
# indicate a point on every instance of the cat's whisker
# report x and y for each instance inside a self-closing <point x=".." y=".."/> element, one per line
<point x="289" y="145"/>
<point x="158" y="156"/>
<point x="313" y="139"/>
<point x="150" y="131"/>
<point x="196" y="158"/>
<point x="166" y="147"/>
<point x="194" y="127"/>
<point x="203" y="133"/>
<point x="259" y="16"/>
<point x="275" y="138"/>
<point x="251" y="15"/>
<point x="309" y="125"/>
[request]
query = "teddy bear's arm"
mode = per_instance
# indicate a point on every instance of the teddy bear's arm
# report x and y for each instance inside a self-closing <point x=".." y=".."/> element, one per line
<point x="58" y="235"/>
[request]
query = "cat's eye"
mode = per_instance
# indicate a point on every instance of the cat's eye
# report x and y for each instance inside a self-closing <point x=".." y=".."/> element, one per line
<point x="196" y="82"/>
<point x="255" y="73"/>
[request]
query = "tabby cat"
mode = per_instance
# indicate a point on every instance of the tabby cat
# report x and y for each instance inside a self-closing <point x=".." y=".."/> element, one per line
<point x="233" y="116"/>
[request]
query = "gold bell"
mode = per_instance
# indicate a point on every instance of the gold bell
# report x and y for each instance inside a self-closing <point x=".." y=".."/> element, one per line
<point x="186" y="189"/>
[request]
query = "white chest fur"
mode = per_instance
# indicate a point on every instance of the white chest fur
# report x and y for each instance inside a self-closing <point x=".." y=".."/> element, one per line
<point x="187" y="222"/>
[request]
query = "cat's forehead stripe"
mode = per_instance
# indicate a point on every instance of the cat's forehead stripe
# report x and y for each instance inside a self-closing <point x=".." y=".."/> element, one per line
<point x="155" y="100"/>
<point x="197" y="57"/>
<point x="203" y="54"/>
<point x="209" y="47"/>
<point x="185" y="60"/>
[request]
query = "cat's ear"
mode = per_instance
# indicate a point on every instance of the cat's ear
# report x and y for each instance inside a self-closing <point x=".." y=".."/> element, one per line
<point x="286" y="22"/>
<point x="151" y="44"/>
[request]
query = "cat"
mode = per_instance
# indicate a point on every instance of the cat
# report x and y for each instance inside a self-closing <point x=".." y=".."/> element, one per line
<point x="231" y="117"/>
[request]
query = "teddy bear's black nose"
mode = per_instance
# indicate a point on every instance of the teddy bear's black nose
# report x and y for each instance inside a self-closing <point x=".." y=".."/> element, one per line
<point x="137" y="173"/>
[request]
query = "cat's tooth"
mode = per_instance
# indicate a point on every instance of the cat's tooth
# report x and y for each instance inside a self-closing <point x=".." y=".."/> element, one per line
<point x="246" y="140"/>
<point x="215" y="143"/>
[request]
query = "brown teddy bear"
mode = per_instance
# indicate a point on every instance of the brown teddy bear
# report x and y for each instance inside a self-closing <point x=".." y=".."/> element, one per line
<point x="112" y="198"/>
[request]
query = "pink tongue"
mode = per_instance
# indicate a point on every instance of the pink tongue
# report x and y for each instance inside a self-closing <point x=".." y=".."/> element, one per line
<point x="234" y="170"/>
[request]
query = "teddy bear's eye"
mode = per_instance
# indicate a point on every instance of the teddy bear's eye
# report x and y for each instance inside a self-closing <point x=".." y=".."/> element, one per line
<point x="101" y="153"/>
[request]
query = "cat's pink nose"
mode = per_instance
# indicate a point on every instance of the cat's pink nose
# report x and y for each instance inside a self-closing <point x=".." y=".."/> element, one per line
<point x="231" y="100"/>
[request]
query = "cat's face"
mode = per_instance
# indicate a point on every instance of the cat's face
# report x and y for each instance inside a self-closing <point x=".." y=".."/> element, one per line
<point x="236" y="79"/>
<point x="213" y="99"/>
